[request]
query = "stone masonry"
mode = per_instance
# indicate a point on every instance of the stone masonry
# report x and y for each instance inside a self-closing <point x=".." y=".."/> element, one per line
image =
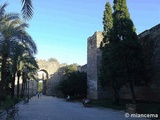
<point x="150" y="40"/>
<point x="93" y="67"/>
<point x="54" y="71"/>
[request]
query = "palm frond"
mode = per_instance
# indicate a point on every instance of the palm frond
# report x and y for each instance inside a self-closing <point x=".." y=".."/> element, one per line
<point x="29" y="43"/>
<point x="24" y="25"/>
<point x="12" y="16"/>
<point x="27" y="9"/>
<point x="15" y="23"/>
<point x="2" y="9"/>
<point x="8" y="18"/>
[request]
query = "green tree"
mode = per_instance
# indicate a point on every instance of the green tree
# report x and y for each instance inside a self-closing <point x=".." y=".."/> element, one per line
<point x="16" y="56"/>
<point x="126" y="52"/>
<point x="15" y="60"/>
<point x="5" y="45"/>
<point x="12" y="34"/>
<point x="74" y="85"/>
<point x="28" y="69"/>
<point x="107" y="26"/>
<point x="123" y="27"/>
<point x="70" y="69"/>
<point x="122" y="57"/>
<point x="107" y="23"/>
<point x="28" y="62"/>
<point x="53" y="60"/>
<point x="107" y="71"/>
<point x="40" y="86"/>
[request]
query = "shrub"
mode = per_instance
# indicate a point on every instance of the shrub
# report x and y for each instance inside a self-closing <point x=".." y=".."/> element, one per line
<point x="74" y="84"/>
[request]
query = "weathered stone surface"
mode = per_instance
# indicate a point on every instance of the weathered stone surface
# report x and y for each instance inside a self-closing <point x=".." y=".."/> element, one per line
<point x="150" y="40"/>
<point x="50" y="66"/>
<point x="93" y="67"/>
<point x="54" y="71"/>
<point x="82" y="68"/>
<point x="33" y="87"/>
<point x="54" y="81"/>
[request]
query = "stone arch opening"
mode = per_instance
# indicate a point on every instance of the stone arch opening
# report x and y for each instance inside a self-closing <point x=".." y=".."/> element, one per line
<point x="42" y="80"/>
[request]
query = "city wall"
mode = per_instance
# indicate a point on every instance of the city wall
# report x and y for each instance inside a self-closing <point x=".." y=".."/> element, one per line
<point x="150" y="40"/>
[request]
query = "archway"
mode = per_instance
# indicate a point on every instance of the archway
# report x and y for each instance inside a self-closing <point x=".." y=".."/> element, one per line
<point x="42" y="81"/>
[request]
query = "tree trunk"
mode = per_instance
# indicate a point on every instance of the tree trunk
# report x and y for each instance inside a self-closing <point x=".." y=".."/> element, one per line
<point x="7" y="81"/>
<point x="18" y="87"/>
<point x="3" y="75"/>
<point x="23" y="88"/>
<point x="1" y="93"/>
<point x="13" y="85"/>
<point x="132" y="92"/>
<point x="115" y="95"/>
<point x="23" y="85"/>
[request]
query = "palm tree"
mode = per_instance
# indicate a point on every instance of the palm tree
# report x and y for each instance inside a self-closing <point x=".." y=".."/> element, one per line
<point x="13" y="33"/>
<point x="16" y="57"/>
<point x="5" y="39"/>
<point x="29" y="70"/>
<point x="27" y="67"/>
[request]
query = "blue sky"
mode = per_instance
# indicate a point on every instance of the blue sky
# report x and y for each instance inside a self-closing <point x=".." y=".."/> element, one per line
<point x="60" y="28"/>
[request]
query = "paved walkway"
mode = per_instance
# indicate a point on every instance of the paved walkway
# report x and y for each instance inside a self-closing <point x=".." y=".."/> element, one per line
<point x="52" y="108"/>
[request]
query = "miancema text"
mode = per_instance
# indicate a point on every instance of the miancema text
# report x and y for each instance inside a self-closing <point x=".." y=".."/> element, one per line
<point x="144" y="115"/>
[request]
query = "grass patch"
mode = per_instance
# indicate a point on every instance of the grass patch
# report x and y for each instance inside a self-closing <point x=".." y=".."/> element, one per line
<point x="142" y="107"/>
<point x="8" y="102"/>
<point x="107" y="103"/>
<point x="148" y="108"/>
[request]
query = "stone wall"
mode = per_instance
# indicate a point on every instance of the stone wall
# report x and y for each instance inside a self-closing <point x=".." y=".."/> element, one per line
<point x="50" y="66"/>
<point x="93" y="66"/>
<point x="54" y="81"/>
<point x="54" y="71"/>
<point x="82" y="68"/>
<point x="33" y="87"/>
<point x="150" y="40"/>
